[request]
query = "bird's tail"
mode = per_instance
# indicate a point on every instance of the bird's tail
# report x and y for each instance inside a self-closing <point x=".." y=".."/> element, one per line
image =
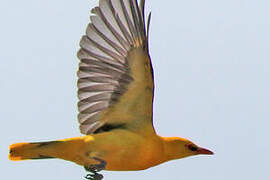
<point x="24" y="151"/>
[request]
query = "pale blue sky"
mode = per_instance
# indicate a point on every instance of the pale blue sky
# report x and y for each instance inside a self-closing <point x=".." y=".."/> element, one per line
<point x="212" y="67"/>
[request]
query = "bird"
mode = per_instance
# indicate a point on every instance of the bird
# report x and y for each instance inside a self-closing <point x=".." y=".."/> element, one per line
<point x="115" y="99"/>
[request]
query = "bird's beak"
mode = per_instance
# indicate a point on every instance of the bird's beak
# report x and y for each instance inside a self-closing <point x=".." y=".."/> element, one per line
<point x="204" y="151"/>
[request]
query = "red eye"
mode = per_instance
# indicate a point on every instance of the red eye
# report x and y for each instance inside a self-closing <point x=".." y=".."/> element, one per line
<point x="192" y="147"/>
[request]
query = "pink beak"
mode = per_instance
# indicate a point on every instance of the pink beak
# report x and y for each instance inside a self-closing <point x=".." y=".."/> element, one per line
<point x="204" y="151"/>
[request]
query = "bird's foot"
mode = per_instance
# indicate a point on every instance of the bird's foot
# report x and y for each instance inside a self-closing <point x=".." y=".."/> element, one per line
<point x="94" y="169"/>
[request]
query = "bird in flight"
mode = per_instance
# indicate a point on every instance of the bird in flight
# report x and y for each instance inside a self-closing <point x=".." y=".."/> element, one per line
<point x="115" y="91"/>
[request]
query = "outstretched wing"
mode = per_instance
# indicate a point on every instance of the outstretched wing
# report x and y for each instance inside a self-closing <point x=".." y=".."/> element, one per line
<point x="115" y="85"/>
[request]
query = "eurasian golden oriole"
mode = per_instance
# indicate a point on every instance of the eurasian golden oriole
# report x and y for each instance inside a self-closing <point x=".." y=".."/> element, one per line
<point x="115" y="91"/>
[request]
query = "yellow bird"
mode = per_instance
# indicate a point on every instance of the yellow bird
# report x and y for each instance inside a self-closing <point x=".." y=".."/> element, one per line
<point x="115" y="91"/>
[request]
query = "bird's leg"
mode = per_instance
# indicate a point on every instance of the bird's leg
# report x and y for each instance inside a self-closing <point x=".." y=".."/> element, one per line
<point x="94" y="169"/>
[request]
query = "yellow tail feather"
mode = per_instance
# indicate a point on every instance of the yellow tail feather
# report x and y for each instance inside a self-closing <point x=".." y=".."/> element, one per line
<point x="23" y="151"/>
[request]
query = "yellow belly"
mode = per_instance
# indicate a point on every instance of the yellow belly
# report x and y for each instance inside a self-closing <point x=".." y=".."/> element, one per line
<point x="125" y="151"/>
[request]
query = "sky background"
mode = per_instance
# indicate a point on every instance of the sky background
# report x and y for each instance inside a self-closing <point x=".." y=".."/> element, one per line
<point x="212" y="69"/>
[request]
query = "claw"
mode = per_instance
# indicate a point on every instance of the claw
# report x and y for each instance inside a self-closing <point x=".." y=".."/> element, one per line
<point x="88" y="176"/>
<point x="94" y="176"/>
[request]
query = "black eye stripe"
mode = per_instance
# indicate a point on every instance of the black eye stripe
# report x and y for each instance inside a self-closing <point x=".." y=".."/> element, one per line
<point x="193" y="148"/>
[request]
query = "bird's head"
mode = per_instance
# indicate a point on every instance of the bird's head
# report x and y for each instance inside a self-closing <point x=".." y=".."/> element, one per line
<point x="177" y="148"/>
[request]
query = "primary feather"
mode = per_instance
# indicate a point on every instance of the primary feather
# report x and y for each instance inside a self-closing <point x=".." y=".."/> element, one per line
<point x="105" y="69"/>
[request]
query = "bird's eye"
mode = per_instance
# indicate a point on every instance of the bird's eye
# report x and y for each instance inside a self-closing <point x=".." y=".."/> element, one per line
<point x="192" y="147"/>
